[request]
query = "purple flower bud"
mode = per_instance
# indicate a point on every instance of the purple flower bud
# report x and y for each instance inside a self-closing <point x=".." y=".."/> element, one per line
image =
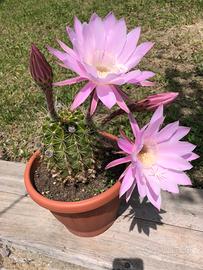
<point x="154" y="101"/>
<point x="40" y="69"/>
<point x="42" y="74"/>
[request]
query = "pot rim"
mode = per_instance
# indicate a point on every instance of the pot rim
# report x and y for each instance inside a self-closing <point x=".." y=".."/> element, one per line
<point x="67" y="207"/>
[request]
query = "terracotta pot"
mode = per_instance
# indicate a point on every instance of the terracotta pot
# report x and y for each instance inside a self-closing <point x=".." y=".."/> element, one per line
<point x="86" y="218"/>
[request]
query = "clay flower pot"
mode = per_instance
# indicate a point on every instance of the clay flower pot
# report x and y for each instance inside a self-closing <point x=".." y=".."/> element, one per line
<point x="86" y="218"/>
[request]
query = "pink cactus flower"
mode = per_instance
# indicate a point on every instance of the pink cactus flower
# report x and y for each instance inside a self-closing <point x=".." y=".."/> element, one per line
<point x="157" y="158"/>
<point x="104" y="55"/>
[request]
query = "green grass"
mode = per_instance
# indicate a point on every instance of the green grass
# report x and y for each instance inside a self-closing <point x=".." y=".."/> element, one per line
<point x="177" y="61"/>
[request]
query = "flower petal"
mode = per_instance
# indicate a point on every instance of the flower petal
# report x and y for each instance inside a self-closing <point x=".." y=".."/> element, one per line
<point x="167" y="132"/>
<point x="60" y="55"/>
<point x="106" y="95"/>
<point x="179" y="148"/>
<point x="119" y="100"/>
<point x="130" y="45"/>
<point x="125" y="145"/>
<point x="67" y="49"/>
<point x="118" y="162"/>
<point x="142" y="77"/>
<point x="126" y="182"/>
<point x="172" y="161"/>
<point x="179" y="178"/>
<point x="117" y="38"/>
<point x="190" y="156"/>
<point x="69" y="81"/>
<point x="94" y="103"/>
<point x="138" y="54"/>
<point x="180" y="133"/>
<point x="157" y="114"/>
<point x="82" y="95"/>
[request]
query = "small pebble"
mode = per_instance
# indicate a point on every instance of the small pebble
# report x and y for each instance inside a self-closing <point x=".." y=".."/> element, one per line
<point x="54" y="183"/>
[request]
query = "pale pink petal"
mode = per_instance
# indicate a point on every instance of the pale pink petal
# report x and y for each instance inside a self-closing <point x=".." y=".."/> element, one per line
<point x="152" y="182"/>
<point x="180" y="133"/>
<point x="155" y="200"/>
<point x="94" y="103"/>
<point x="67" y="49"/>
<point x="153" y="128"/>
<point x="119" y="100"/>
<point x="173" y="161"/>
<point x="124" y="172"/>
<point x="142" y="77"/>
<point x="179" y="178"/>
<point x="191" y="156"/>
<point x="69" y="81"/>
<point x="109" y="22"/>
<point x="82" y="95"/>
<point x="71" y="34"/>
<point x="93" y="17"/>
<point x="116" y="40"/>
<point x="157" y="114"/>
<point x="141" y="182"/>
<point x="130" y="45"/>
<point x="167" y="132"/>
<point x="60" y="55"/>
<point x="106" y="95"/>
<point x="125" y="145"/>
<point x="118" y="161"/>
<point x="98" y="32"/>
<point x="130" y="191"/>
<point x="126" y="77"/>
<point x="126" y="182"/>
<point x="169" y="186"/>
<point x="78" y="30"/>
<point x="179" y="148"/>
<point x="134" y="125"/>
<point x="78" y="42"/>
<point x="138" y="54"/>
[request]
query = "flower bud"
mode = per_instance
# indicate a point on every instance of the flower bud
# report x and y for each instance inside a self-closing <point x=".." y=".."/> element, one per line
<point x="42" y="74"/>
<point x="40" y="69"/>
<point x="154" y="101"/>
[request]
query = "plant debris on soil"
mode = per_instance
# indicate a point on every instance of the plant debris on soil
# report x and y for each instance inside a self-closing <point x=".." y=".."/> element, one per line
<point x="63" y="189"/>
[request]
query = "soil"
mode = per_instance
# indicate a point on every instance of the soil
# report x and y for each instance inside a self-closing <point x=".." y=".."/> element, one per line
<point x="60" y="189"/>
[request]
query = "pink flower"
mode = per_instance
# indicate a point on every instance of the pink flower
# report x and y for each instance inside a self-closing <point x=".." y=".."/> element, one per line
<point x="156" y="159"/>
<point x="103" y="54"/>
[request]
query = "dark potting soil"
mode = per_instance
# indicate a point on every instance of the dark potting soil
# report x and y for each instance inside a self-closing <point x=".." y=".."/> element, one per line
<point x="56" y="189"/>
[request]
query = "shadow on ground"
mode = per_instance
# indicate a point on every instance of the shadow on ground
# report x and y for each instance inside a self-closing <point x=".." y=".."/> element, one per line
<point x="142" y="215"/>
<point x="12" y="204"/>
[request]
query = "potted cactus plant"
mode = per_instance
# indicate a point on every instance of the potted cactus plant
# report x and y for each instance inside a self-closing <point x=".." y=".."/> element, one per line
<point x="75" y="172"/>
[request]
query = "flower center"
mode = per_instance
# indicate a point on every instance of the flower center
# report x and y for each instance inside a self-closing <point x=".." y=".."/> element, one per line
<point x="102" y="71"/>
<point x="146" y="156"/>
<point x="105" y="63"/>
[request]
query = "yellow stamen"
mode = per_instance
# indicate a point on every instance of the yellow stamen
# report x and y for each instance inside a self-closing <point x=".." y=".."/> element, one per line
<point x="146" y="157"/>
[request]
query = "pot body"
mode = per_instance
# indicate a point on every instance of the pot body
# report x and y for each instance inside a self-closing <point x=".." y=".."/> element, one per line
<point x="85" y="218"/>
